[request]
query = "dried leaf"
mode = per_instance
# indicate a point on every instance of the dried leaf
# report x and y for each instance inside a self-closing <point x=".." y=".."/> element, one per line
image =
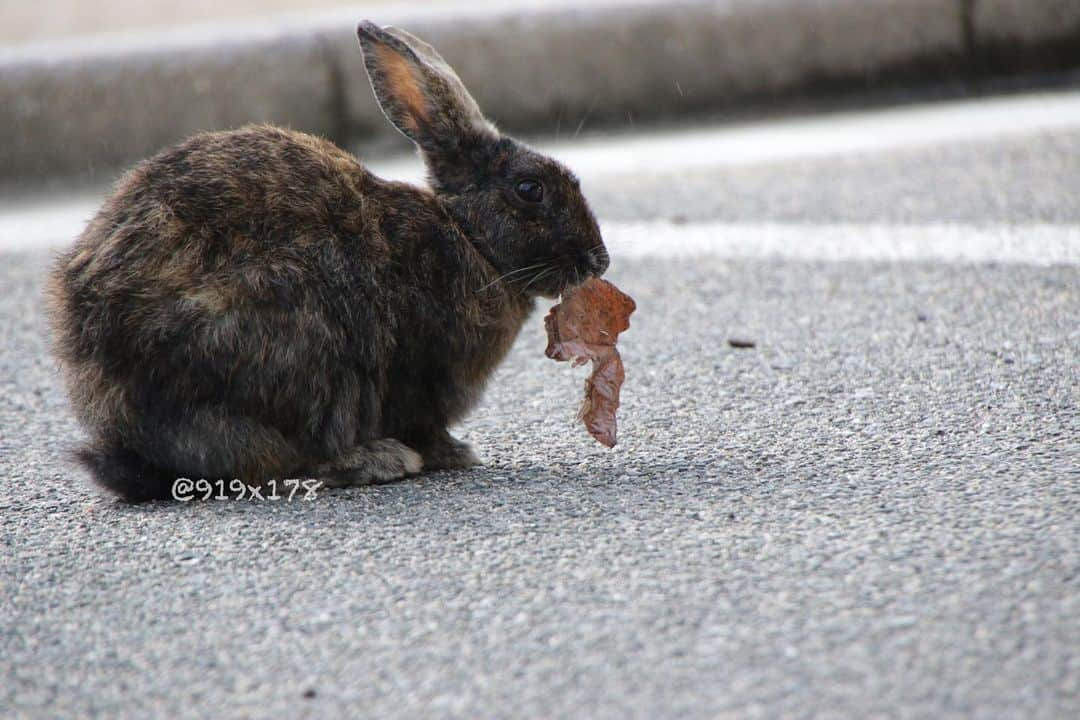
<point x="585" y="327"/>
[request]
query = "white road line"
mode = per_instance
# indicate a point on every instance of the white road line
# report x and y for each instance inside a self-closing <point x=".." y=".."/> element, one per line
<point x="1016" y="244"/>
<point x="45" y="225"/>
<point x="1036" y="244"/>
<point x="933" y="124"/>
<point x="801" y="138"/>
<point x="863" y="132"/>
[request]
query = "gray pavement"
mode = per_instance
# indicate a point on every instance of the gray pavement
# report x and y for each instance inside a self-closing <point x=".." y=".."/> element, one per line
<point x="872" y="513"/>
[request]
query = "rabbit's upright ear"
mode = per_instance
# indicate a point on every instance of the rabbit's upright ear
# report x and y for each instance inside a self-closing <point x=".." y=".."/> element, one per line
<point x="418" y="92"/>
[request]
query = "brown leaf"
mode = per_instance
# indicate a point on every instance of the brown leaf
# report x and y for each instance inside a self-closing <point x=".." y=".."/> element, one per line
<point x="585" y="327"/>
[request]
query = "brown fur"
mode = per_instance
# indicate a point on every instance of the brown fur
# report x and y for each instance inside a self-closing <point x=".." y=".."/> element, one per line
<point x="399" y="73"/>
<point x="256" y="304"/>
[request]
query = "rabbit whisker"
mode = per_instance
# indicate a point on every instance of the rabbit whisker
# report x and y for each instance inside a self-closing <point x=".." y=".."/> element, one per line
<point x="537" y="277"/>
<point x="512" y="272"/>
<point x="578" y="277"/>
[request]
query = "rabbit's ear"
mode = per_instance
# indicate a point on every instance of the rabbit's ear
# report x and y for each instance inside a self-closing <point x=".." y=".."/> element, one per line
<point x="418" y="92"/>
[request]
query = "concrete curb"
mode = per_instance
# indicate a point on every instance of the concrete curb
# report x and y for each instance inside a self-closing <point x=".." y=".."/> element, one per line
<point x="85" y="111"/>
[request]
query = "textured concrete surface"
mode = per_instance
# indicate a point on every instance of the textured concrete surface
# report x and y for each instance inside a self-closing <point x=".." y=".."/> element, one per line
<point x="78" y="107"/>
<point x="608" y="61"/>
<point x="69" y="116"/>
<point x="1025" y="20"/>
<point x="22" y="22"/>
<point x="872" y="513"/>
<point x="1022" y="34"/>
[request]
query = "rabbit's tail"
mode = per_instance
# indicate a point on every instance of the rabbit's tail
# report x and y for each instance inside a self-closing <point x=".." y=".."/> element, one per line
<point x="126" y="474"/>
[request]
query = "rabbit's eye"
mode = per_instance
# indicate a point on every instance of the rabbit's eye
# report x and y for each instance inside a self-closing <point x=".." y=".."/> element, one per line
<point x="530" y="191"/>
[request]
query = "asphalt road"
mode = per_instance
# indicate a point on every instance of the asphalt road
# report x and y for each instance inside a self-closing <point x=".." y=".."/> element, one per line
<point x="873" y="513"/>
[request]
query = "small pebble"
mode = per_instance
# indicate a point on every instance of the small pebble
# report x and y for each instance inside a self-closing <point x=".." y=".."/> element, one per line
<point x="741" y="341"/>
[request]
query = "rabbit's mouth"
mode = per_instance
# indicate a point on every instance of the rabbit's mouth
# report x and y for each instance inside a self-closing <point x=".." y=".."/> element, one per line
<point x="552" y="278"/>
<point x="570" y="275"/>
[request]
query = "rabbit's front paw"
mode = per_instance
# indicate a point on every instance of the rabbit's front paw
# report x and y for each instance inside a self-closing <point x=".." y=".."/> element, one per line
<point x="376" y="461"/>
<point x="442" y="451"/>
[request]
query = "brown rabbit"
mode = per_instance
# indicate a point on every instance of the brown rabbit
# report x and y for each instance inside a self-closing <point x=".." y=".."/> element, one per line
<point x="254" y="304"/>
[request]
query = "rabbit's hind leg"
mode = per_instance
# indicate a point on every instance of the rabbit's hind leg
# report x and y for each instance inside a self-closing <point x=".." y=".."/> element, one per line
<point x="370" y="463"/>
<point x="215" y="444"/>
<point x="125" y="473"/>
<point x="202" y="446"/>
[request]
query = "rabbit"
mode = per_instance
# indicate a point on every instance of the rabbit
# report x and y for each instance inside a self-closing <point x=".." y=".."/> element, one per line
<point x="254" y="304"/>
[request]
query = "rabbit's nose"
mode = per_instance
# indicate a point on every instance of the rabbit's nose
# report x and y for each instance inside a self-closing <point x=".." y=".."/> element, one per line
<point x="599" y="260"/>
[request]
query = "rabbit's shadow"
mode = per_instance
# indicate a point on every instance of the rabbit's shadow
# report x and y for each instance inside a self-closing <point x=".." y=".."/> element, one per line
<point x="521" y="483"/>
